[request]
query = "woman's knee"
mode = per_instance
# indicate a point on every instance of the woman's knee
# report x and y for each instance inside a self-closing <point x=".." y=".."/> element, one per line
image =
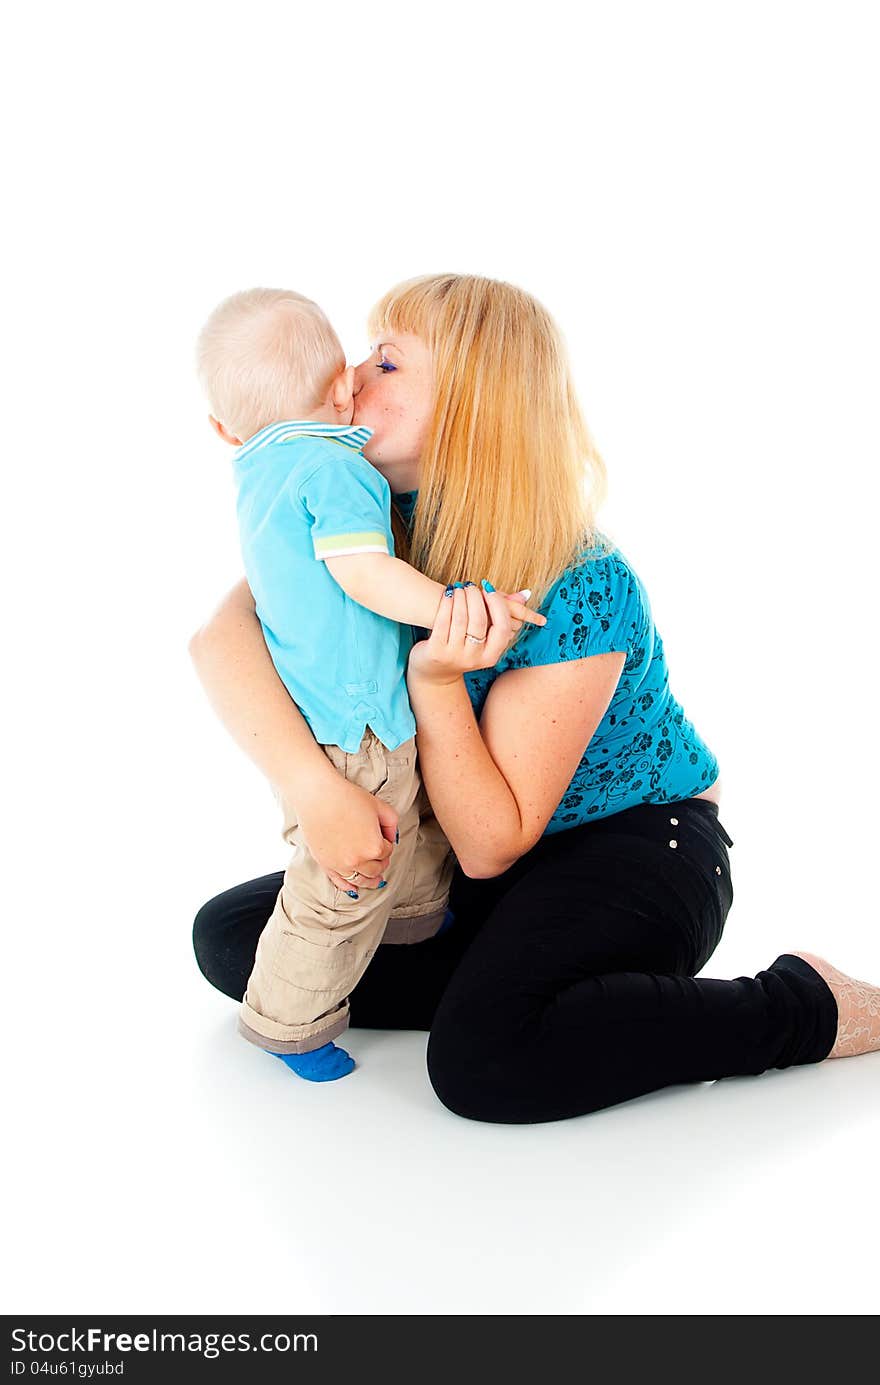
<point x="208" y="946"/>
<point x="449" y="1078"/>
<point x="226" y="931"/>
<point x="473" y="1076"/>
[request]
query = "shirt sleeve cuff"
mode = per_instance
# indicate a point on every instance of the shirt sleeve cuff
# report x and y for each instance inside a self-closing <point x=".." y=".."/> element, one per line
<point x="340" y="545"/>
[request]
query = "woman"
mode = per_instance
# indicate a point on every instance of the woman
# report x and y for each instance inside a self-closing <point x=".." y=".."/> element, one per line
<point x="592" y="885"/>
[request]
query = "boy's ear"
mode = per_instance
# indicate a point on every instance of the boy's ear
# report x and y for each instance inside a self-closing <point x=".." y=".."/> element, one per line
<point x="342" y="389"/>
<point x="223" y="432"/>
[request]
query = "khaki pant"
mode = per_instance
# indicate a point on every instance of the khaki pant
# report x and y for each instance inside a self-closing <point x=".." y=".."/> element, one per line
<point x="318" y="942"/>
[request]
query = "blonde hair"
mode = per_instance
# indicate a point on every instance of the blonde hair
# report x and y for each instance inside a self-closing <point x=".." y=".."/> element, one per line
<point x="510" y="479"/>
<point x="266" y="355"/>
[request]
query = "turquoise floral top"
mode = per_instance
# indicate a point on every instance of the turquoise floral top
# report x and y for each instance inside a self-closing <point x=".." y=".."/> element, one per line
<point x="644" y="750"/>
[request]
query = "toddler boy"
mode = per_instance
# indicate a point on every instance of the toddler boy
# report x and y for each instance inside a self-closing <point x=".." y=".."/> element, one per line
<point x="336" y="608"/>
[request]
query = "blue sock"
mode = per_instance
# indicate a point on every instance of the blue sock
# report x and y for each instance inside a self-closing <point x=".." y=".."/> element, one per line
<point x="321" y="1064"/>
<point x="448" y="921"/>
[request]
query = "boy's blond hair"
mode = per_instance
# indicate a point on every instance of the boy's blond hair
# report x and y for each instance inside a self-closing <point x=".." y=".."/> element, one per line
<point x="266" y="355"/>
<point x="510" y="479"/>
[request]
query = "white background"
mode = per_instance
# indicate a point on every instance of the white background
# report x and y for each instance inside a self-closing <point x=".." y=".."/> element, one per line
<point x="691" y="190"/>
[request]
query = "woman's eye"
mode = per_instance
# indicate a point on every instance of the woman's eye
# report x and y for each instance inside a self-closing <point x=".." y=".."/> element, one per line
<point x="385" y="366"/>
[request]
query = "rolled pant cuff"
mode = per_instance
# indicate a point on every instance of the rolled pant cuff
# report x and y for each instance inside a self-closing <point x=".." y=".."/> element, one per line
<point x="813" y="1010"/>
<point x="414" y="928"/>
<point x="293" y="1038"/>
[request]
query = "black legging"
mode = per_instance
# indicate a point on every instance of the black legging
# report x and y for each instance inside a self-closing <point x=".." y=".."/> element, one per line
<point x="566" y="984"/>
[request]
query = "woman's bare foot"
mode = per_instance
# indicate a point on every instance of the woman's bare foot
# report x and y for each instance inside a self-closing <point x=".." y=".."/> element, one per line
<point x="858" y="1009"/>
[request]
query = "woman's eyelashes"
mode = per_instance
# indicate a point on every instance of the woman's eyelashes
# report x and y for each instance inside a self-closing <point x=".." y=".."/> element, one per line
<point x="385" y="366"/>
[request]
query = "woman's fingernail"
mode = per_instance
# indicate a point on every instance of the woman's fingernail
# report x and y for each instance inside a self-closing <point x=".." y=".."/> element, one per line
<point x="352" y="894"/>
<point x="460" y="585"/>
<point x="470" y="584"/>
<point x="381" y="885"/>
<point x="397" y="836"/>
<point x="526" y="593"/>
<point x="487" y="586"/>
<point x="449" y="591"/>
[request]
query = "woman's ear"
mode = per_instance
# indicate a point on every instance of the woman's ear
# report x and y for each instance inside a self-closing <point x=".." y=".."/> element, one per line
<point x="342" y="390"/>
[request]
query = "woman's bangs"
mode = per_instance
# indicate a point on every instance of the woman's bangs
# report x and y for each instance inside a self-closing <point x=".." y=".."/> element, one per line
<point x="406" y="308"/>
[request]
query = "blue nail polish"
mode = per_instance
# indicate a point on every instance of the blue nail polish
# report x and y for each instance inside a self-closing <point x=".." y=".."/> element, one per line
<point x="352" y="894"/>
<point x="460" y="585"/>
<point x="487" y="586"/>
<point x="449" y="591"/>
<point x="397" y="835"/>
<point x="470" y="584"/>
<point x="381" y="885"/>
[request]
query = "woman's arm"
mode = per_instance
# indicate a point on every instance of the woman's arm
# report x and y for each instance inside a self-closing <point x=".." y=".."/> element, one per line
<point x="346" y="828"/>
<point x="471" y="799"/>
<point x="494" y="787"/>
<point x="242" y="684"/>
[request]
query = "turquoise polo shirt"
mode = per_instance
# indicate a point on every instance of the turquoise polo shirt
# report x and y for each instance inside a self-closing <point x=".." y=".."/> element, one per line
<point x="644" y="750"/>
<point x="307" y="493"/>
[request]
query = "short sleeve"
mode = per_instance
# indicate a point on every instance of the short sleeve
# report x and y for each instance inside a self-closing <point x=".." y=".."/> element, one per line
<point x="349" y="504"/>
<point x="594" y="608"/>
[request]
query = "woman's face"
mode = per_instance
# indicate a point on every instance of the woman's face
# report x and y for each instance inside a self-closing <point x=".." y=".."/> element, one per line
<point x="394" y="395"/>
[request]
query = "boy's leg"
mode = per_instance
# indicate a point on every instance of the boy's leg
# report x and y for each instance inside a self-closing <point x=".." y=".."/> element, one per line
<point x="400" y="990"/>
<point x="319" y="941"/>
<point x="297" y="994"/>
<point x="424" y="892"/>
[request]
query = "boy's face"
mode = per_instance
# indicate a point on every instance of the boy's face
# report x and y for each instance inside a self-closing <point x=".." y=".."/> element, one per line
<point x="394" y="395"/>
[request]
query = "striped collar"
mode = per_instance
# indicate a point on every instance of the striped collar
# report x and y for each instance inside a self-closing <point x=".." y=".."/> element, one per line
<point x="349" y="436"/>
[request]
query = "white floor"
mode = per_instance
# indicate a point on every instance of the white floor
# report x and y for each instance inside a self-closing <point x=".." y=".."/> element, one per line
<point x="193" y="1174"/>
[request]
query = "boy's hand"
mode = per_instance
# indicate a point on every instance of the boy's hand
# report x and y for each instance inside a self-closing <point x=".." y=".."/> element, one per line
<point x="520" y="612"/>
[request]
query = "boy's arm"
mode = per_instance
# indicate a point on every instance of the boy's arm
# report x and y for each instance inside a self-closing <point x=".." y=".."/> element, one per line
<point x="392" y="588"/>
<point x="388" y="586"/>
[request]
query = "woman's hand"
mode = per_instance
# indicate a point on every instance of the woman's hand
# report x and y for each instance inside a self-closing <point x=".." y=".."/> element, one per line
<point x="349" y="830"/>
<point x="448" y="653"/>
